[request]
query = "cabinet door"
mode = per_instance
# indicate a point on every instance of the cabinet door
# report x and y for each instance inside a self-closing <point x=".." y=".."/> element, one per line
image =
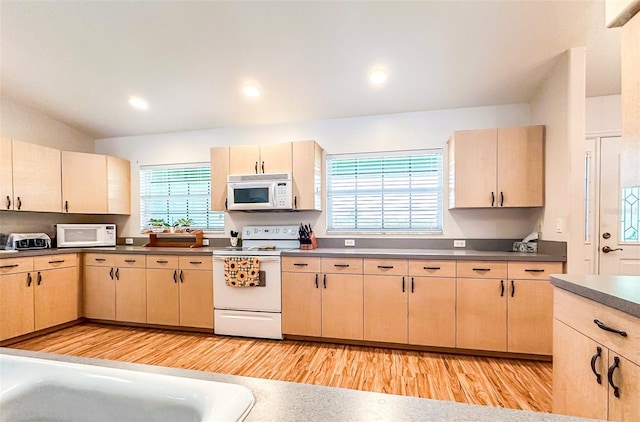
<point x="84" y="183"/>
<point x="99" y="292"/>
<point x="37" y="180"/>
<point x="219" y="172"/>
<point x="244" y="159"/>
<point x="342" y="297"/>
<point x="118" y="185"/>
<point x="432" y="311"/>
<point x="626" y="377"/>
<point x="6" y="175"/>
<point x="530" y="317"/>
<point x="16" y="305"/>
<point x="473" y="165"/>
<point x="482" y="314"/>
<point x="521" y="166"/>
<point x="131" y="294"/>
<point x="56" y="297"/>
<point x="385" y="308"/>
<point x="275" y="158"/>
<point x="576" y="391"/>
<point x="301" y="304"/>
<point x="307" y="175"/>
<point x="196" y="298"/>
<point x="163" y="302"/>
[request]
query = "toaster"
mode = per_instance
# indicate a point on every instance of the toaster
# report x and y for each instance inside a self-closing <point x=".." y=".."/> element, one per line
<point x="23" y="241"/>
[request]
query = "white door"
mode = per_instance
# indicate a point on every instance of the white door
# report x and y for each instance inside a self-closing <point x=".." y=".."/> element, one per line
<point x="619" y="212"/>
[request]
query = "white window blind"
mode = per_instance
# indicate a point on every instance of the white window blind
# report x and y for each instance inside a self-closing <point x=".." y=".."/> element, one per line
<point x="385" y="192"/>
<point x="178" y="191"/>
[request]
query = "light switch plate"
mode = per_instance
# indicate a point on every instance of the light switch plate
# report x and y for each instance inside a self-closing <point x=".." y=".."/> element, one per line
<point x="205" y="242"/>
<point x="459" y="243"/>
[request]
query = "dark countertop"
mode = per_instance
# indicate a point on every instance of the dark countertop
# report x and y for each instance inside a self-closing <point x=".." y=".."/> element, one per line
<point x="208" y="250"/>
<point x="289" y="401"/>
<point x="464" y="254"/>
<point x="617" y="291"/>
<point x="458" y="254"/>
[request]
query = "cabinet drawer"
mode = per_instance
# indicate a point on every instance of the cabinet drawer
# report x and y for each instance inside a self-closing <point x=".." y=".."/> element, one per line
<point x="426" y="268"/>
<point x="579" y="313"/>
<point x="199" y="262"/>
<point x="15" y="265"/>
<point x="55" y="261"/>
<point x="342" y="265"/>
<point x="130" y="261"/>
<point x="482" y="269"/>
<point x="533" y="270"/>
<point x="162" y="261"/>
<point x="99" y="259"/>
<point x="302" y="264"/>
<point x="386" y="266"/>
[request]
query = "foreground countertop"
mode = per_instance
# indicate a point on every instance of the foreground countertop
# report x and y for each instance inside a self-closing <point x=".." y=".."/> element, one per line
<point x="617" y="291"/>
<point x="287" y="401"/>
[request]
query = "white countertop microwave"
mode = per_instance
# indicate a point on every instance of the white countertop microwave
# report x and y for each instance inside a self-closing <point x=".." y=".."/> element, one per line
<point x="85" y="235"/>
<point x="259" y="192"/>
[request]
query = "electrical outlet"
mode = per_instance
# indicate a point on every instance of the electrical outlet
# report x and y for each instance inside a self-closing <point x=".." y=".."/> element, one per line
<point x="128" y="241"/>
<point x="205" y="242"/>
<point x="349" y="242"/>
<point x="459" y="243"/>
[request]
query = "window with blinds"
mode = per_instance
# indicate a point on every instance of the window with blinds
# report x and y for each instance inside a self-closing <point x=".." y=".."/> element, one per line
<point x="171" y="192"/>
<point x="385" y="192"/>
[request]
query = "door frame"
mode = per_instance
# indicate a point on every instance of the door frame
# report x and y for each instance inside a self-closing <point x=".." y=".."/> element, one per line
<point x="593" y="144"/>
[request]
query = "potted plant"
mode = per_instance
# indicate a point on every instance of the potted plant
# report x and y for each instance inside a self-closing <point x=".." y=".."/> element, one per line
<point x="157" y="224"/>
<point x="185" y="223"/>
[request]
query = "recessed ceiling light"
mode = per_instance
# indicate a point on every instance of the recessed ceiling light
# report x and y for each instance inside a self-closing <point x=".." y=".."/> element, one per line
<point x="251" y="90"/>
<point x="138" y="103"/>
<point x="378" y="76"/>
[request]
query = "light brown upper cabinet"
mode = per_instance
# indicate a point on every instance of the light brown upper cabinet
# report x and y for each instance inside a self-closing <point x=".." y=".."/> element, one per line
<point x="36" y="177"/>
<point x="266" y="158"/>
<point x="307" y="175"/>
<point x="219" y="173"/>
<point x="118" y="185"/>
<point x="6" y="175"/>
<point x="501" y="168"/>
<point x="84" y="183"/>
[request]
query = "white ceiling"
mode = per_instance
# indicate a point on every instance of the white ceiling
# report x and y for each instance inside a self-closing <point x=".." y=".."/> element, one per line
<point x="79" y="61"/>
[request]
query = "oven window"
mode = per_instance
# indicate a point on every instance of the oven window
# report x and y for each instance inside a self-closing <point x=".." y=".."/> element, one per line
<point x="251" y="195"/>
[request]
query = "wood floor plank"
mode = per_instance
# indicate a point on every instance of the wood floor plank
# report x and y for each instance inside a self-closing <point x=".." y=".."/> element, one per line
<point x="516" y="384"/>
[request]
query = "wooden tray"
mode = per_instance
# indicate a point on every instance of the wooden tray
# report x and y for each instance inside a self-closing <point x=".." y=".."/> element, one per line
<point x="192" y="239"/>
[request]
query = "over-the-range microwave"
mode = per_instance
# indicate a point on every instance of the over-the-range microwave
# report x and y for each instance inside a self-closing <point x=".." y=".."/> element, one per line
<point x="259" y="192"/>
<point x="85" y="235"/>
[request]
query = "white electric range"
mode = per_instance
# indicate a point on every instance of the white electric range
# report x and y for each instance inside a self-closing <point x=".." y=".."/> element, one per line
<point x="253" y="311"/>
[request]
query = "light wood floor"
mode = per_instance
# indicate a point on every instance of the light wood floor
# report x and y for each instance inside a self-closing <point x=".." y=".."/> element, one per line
<point x="506" y="383"/>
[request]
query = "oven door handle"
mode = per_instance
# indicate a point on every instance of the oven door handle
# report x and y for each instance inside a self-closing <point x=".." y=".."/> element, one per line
<point x="264" y="259"/>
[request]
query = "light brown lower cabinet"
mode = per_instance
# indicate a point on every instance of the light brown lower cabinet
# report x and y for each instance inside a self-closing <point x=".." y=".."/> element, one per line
<point x="37" y="293"/>
<point x="482" y="305"/>
<point x="322" y="297"/>
<point x="506" y="307"/>
<point x="596" y="372"/>
<point x="386" y="304"/>
<point x="432" y="303"/>
<point x="115" y="287"/>
<point x="180" y="291"/>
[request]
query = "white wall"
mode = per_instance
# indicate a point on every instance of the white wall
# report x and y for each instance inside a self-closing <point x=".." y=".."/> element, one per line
<point x="400" y="131"/>
<point x="21" y="122"/>
<point x="560" y="105"/>
<point x="603" y="115"/>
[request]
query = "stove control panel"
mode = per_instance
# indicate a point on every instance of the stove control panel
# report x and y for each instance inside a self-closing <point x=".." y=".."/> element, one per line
<point x="270" y="232"/>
